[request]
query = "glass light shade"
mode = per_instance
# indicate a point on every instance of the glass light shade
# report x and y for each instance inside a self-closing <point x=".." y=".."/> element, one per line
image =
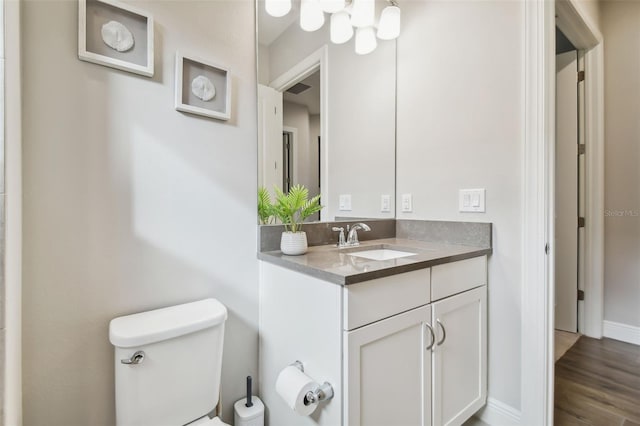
<point x="277" y="8"/>
<point x="332" y="6"/>
<point x="363" y="13"/>
<point x="365" y="40"/>
<point x="311" y="15"/>
<point x="341" y="29"/>
<point x="389" y="25"/>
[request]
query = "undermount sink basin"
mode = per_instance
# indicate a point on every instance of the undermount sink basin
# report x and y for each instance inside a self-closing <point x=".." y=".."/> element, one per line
<point x="381" y="254"/>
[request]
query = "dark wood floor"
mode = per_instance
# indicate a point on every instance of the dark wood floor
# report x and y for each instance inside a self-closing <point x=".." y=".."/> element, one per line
<point x="598" y="383"/>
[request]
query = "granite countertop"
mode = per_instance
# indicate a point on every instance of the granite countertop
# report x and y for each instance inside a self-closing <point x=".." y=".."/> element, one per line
<point x="329" y="263"/>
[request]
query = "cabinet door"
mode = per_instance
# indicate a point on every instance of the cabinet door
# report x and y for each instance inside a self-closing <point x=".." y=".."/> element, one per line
<point x="459" y="357"/>
<point x="388" y="372"/>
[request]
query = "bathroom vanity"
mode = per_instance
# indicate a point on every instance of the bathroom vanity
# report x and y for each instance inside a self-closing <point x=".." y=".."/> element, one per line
<point x="402" y="340"/>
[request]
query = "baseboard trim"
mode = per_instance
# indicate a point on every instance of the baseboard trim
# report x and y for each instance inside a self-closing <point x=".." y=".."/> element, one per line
<point x="498" y="413"/>
<point x="623" y="332"/>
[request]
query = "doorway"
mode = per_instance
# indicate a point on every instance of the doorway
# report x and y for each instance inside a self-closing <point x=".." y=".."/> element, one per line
<point x="569" y="187"/>
<point x="541" y="19"/>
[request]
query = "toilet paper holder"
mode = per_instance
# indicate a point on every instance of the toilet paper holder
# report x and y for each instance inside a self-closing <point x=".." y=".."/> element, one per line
<point x="323" y="392"/>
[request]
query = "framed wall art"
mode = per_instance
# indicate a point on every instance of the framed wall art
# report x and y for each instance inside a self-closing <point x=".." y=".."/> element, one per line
<point x="115" y="35"/>
<point x="202" y="87"/>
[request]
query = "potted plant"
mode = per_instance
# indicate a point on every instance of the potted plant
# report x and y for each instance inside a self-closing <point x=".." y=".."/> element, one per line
<point x="292" y="209"/>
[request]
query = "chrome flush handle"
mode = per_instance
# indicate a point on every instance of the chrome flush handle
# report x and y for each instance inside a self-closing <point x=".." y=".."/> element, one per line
<point x="136" y="358"/>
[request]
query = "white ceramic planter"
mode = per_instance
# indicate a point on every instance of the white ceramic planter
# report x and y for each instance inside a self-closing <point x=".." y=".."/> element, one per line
<point x="293" y="243"/>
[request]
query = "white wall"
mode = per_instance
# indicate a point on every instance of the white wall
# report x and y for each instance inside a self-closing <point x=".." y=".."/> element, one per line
<point x="130" y="205"/>
<point x="460" y="125"/>
<point x="622" y="155"/>
<point x="263" y="65"/>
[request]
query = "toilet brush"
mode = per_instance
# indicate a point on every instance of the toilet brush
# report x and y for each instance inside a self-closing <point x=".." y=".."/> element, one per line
<point x="249" y="403"/>
<point x="249" y="411"/>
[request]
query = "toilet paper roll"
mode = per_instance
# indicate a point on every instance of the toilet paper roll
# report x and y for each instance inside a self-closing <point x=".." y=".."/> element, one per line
<point x="292" y="385"/>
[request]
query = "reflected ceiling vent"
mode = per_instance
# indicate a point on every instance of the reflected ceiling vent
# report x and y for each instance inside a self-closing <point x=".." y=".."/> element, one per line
<point x="296" y="89"/>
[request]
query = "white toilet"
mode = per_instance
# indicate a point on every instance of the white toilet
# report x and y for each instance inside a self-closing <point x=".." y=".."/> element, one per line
<point x="168" y="364"/>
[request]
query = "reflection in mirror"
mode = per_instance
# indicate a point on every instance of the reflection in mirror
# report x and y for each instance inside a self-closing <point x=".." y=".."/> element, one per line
<point x="326" y="117"/>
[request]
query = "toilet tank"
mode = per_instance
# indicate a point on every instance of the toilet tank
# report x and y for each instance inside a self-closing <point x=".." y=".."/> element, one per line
<point x="178" y="380"/>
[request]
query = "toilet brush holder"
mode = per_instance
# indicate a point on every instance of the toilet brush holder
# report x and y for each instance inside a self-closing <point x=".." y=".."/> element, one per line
<point x="249" y="411"/>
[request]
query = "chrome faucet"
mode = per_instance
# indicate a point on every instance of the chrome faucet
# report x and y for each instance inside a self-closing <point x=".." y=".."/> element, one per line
<point x="352" y="238"/>
<point x="341" y="241"/>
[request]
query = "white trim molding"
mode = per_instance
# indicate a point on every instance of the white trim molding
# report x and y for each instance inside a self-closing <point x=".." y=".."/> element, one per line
<point x="301" y="70"/>
<point x="498" y="413"/>
<point x="594" y="226"/>
<point x="538" y="212"/>
<point x="13" y="214"/>
<point x="623" y="332"/>
<point x="575" y="25"/>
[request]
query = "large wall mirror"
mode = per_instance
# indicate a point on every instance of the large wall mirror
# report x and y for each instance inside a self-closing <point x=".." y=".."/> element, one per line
<point x="326" y="117"/>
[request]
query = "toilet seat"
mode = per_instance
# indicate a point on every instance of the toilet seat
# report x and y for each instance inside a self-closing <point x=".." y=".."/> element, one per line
<point x="206" y="421"/>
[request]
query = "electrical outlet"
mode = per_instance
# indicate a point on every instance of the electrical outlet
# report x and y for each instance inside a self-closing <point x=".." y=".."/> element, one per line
<point x="385" y="203"/>
<point x="345" y="202"/>
<point x="407" y="203"/>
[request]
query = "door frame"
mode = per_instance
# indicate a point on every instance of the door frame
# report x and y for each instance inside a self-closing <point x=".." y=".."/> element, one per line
<point x="537" y="319"/>
<point x="568" y="235"/>
<point x="588" y="39"/>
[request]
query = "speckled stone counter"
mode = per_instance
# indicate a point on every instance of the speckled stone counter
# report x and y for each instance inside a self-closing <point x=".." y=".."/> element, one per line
<point x="329" y="263"/>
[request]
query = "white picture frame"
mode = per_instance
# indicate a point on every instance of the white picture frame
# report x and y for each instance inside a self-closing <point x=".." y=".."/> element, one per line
<point x="190" y="67"/>
<point x="94" y="14"/>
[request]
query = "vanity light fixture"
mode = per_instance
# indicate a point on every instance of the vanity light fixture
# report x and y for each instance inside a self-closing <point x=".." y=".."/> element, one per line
<point x="363" y="13"/>
<point x="277" y="8"/>
<point x="311" y="15"/>
<point x="365" y="40"/>
<point x="389" y="25"/>
<point x="345" y="16"/>
<point x="332" y="6"/>
<point x="341" y="29"/>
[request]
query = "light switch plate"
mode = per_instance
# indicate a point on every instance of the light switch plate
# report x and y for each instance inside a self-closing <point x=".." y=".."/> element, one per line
<point x="472" y="200"/>
<point x="407" y="203"/>
<point x="345" y="202"/>
<point x="385" y="203"/>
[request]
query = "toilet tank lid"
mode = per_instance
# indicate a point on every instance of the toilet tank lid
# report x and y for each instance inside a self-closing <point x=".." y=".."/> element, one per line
<point x="166" y="323"/>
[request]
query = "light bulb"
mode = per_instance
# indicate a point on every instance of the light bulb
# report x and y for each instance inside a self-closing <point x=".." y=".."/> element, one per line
<point x="332" y="6"/>
<point x="277" y="8"/>
<point x="363" y="13"/>
<point x="311" y="15"/>
<point x="341" y="29"/>
<point x="365" y="40"/>
<point x="389" y="26"/>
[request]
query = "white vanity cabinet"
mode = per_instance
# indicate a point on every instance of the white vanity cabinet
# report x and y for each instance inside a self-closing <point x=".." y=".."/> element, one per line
<point x="409" y="349"/>
<point x="459" y="320"/>
<point x="387" y="370"/>
<point x="459" y="356"/>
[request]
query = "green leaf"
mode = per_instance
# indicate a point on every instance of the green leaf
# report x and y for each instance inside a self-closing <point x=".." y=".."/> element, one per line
<point x="265" y="209"/>
<point x="293" y="208"/>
